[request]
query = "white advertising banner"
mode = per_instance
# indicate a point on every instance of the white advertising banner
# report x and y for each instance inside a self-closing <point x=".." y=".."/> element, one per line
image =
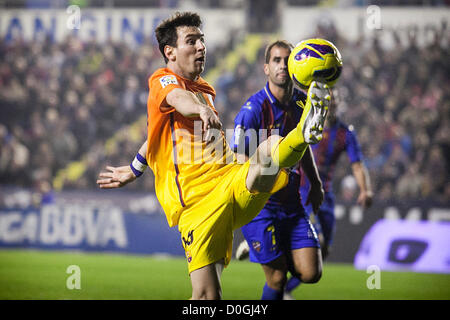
<point x="130" y="25"/>
<point x="301" y="23"/>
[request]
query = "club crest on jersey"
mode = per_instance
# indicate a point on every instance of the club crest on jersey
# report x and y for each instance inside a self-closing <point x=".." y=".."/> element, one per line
<point x="256" y="245"/>
<point x="166" y="80"/>
<point x="188" y="256"/>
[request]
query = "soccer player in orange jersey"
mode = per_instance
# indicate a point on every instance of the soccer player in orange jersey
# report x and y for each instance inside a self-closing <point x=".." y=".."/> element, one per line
<point x="198" y="181"/>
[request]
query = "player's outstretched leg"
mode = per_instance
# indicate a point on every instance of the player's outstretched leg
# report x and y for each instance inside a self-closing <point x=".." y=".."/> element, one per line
<point x="289" y="150"/>
<point x="277" y="152"/>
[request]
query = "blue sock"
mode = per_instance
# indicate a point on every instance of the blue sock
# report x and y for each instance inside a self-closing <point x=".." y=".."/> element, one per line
<point x="292" y="283"/>
<point x="271" y="294"/>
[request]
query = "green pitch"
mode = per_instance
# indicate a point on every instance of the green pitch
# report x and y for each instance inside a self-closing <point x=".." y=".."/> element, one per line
<point x="42" y="275"/>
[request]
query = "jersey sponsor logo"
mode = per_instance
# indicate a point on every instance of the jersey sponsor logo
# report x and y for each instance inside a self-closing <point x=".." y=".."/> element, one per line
<point x="166" y="80"/>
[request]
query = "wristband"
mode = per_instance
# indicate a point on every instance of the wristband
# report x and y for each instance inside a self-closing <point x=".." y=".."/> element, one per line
<point x="138" y="165"/>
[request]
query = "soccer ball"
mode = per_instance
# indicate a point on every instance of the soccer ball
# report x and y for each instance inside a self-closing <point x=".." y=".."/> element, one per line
<point x="314" y="59"/>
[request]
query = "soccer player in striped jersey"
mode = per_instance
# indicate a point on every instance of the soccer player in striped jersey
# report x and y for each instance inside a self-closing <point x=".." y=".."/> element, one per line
<point x="337" y="139"/>
<point x="198" y="181"/>
<point x="280" y="237"/>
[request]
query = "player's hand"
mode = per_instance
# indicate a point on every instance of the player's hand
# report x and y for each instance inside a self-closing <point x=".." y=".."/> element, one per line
<point x="315" y="196"/>
<point x="115" y="177"/>
<point x="210" y="121"/>
<point x="365" y="199"/>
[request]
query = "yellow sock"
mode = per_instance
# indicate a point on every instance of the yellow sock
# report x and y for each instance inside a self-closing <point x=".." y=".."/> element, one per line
<point x="289" y="150"/>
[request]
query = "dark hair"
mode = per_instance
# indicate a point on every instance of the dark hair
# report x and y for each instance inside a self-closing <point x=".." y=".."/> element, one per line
<point x="166" y="31"/>
<point x="278" y="43"/>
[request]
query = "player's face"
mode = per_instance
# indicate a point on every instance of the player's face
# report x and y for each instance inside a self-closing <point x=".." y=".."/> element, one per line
<point x="190" y="53"/>
<point x="276" y="70"/>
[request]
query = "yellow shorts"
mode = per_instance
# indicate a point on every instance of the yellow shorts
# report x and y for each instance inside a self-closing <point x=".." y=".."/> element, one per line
<point x="207" y="227"/>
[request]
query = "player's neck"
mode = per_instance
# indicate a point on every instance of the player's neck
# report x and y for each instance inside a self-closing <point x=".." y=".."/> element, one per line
<point x="178" y="71"/>
<point x="282" y="94"/>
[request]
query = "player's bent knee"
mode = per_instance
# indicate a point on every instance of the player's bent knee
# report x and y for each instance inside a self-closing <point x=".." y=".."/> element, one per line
<point x="264" y="151"/>
<point x="311" y="277"/>
<point x="277" y="280"/>
<point x="270" y="143"/>
<point x="263" y="172"/>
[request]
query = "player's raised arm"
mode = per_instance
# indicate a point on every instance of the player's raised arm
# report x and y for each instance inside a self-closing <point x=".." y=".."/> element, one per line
<point x="117" y="177"/>
<point x="186" y="103"/>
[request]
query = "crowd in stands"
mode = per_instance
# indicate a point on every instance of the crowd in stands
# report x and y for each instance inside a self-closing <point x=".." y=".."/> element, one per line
<point x="60" y="101"/>
<point x="63" y="102"/>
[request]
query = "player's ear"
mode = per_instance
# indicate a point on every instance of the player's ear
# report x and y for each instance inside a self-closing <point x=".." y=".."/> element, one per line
<point x="266" y="69"/>
<point x="169" y="52"/>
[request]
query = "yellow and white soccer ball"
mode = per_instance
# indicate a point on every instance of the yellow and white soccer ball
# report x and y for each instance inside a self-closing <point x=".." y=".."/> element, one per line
<point x="314" y="59"/>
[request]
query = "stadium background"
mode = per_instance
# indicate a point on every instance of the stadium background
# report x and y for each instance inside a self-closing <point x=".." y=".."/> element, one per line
<point x="73" y="98"/>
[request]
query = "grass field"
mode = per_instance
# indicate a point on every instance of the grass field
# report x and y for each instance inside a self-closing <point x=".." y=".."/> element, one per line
<point x="42" y="275"/>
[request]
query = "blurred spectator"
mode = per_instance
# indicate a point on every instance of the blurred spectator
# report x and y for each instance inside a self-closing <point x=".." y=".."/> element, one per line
<point x="410" y="184"/>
